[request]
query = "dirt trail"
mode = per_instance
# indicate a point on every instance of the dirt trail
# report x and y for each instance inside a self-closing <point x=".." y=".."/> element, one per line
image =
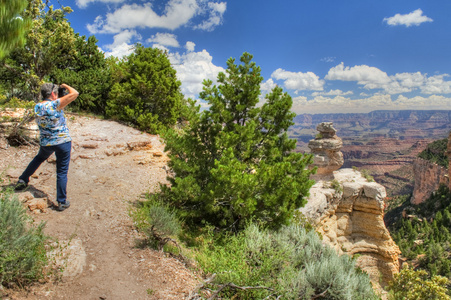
<point x="112" y="166"/>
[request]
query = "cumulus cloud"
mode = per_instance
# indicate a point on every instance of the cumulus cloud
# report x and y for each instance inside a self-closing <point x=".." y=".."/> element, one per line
<point x="267" y="86"/>
<point x="164" y="39"/>
<point x="121" y="46"/>
<point x="368" y="76"/>
<point x="436" y="85"/>
<point x="414" y="18"/>
<point x="192" y="68"/>
<point x="215" y="12"/>
<point x="176" y="14"/>
<point x="373" y="78"/>
<point x="84" y="3"/>
<point x="333" y="93"/>
<point x="189" y="46"/>
<point x="340" y="104"/>
<point x="298" y="81"/>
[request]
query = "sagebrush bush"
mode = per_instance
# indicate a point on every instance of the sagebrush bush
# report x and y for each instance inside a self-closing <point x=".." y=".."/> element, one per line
<point x="22" y="245"/>
<point x="291" y="263"/>
<point x="163" y="219"/>
<point x="156" y="220"/>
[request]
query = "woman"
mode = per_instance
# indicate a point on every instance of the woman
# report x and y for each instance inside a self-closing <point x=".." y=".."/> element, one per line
<point x="54" y="138"/>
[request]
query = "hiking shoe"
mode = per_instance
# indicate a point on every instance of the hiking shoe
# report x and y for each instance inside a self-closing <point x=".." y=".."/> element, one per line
<point x="63" y="206"/>
<point x="20" y="185"/>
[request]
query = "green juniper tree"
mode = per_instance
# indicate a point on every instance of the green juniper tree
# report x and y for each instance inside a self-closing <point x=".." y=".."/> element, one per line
<point x="234" y="162"/>
<point x="146" y="92"/>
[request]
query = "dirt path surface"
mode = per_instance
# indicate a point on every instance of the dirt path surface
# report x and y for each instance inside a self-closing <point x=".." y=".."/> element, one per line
<point x="111" y="167"/>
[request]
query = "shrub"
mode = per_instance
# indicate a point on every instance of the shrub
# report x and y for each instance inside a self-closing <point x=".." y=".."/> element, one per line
<point x="416" y="285"/>
<point x="290" y="263"/>
<point x="157" y="221"/>
<point x="22" y="249"/>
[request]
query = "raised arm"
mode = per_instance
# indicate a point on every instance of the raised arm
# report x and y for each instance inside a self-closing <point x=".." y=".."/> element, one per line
<point x="71" y="96"/>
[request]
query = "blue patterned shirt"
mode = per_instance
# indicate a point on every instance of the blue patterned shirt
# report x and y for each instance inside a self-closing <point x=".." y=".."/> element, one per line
<point x="52" y="123"/>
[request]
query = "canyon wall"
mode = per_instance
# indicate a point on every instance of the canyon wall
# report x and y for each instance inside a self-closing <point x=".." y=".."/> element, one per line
<point x="428" y="177"/>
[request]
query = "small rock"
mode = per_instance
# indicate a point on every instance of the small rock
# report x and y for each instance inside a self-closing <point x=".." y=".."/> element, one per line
<point x="90" y="145"/>
<point x="38" y="204"/>
<point x="158" y="154"/>
<point x="87" y="156"/>
<point x="142" y="145"/>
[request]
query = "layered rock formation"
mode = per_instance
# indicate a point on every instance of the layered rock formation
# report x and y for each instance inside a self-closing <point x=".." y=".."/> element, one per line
<point x="428" y="177"/>
<point x="326" y="150"/>
<point x="348" y="211"/>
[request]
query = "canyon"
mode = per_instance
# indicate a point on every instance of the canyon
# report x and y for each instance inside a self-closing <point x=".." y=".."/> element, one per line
<point x="383" y="143"/>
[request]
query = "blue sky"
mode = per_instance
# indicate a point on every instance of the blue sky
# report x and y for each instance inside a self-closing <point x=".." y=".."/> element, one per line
<point x="329" y="55"/>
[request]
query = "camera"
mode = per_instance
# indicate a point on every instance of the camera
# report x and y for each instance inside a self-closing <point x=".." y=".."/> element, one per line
<point x="62" y="92"/>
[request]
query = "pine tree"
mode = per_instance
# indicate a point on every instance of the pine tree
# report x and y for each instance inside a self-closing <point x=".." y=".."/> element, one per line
<point x="234" y="162"/>
<point x="146" y="92"/>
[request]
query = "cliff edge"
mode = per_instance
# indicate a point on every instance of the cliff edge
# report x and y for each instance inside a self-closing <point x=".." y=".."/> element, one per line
<point x="348" y="212"/>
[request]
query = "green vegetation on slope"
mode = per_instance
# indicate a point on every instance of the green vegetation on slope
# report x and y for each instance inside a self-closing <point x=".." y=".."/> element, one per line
<point x="256" y="263"/>
<point x="423" y="235"/>
<point x="436" y="152"/>
<point x="22" y="246"/>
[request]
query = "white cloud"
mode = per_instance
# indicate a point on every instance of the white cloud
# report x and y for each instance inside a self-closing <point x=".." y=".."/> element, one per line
<point x="370" y="77"/>
<point x="121" y="46"/>
<point x="340" y="104"/>
<point x="299" y="81"/>
<point x="333" y="93"/>
<point x="165" y="39"/>
<point x="373" y="78"/>
<point x="84" y="3"/>
<point x="216" y="12"/>
<point x="328" y="59"/>
<point x="436" y="85"/>
<point x="177" y="13"/>
<point x="189" y="46"/>
<point x="161" y="47"/>
<point x="414" y="18"/>
<point x="267" y="86"/>
<point x="192" y="68"/>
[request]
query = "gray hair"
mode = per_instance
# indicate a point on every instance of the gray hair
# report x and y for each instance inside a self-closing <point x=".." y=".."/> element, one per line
<point x="47" y="89"/>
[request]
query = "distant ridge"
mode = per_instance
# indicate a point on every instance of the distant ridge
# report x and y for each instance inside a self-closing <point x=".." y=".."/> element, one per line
<point x="430" y="124"/>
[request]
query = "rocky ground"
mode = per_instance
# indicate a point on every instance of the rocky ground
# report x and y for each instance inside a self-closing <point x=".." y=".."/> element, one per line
<point x="112" y="167"/>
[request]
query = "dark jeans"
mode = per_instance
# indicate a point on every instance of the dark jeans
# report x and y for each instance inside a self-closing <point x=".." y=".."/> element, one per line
<point x="62" y="152"/>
